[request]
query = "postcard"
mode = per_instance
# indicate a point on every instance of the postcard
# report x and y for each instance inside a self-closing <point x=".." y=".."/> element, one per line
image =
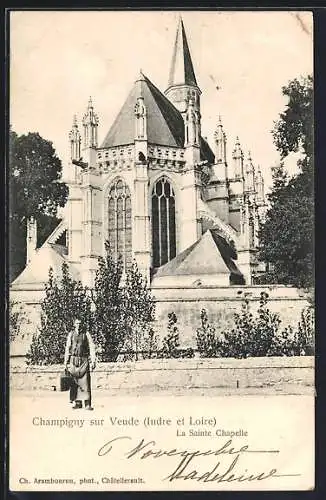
<point x="161" y="277"/>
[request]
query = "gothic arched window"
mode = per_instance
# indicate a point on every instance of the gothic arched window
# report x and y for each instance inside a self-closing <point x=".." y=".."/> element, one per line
<point x="119" y="221"/>
<point x="163" y="223"/>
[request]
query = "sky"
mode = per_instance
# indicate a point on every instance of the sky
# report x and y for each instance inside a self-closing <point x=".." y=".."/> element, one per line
<point x="60" y="58"/>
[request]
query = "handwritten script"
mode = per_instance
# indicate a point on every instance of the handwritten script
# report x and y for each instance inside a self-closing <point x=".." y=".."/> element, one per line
<point x="188" y="464"/>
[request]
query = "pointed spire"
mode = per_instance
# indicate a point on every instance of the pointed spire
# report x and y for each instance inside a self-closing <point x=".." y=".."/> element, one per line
<point x="182" y="81"/>
<point x="237" y="156"/>
<point x="139" y="83"/>
<point x="182" y="70"/>
<point x="90" y="124"/>
<point x="75" y="140"/>
<point x="237" y="148"/>
<point x="192" y="124"/>
<point x="141" y="76"/>
<point x="141" y="118"/>
<point x="249" y="174"/>
<point x="259" y="182"/>
<point x="220" y="141"/>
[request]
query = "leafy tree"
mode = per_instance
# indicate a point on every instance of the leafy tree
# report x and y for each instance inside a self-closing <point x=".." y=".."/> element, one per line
<point x="118" y="309"/>
<point x="64" y="301"/>
<point x="124" y="311"/>
<point x="138" y="311"/>
<point x="35" y="191"/>
<point x="286" y="236"/>
<point x="109" y="326"/>
<point x="17" y="316"/>
<point x="293" y="131"/>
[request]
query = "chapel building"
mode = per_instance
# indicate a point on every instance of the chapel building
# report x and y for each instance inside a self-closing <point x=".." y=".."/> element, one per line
<point x="157" y="191"/>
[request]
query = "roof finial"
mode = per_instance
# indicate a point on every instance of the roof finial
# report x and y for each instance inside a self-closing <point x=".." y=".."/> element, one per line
<point x="74" y="121"/>
<point x="90" y="103"/>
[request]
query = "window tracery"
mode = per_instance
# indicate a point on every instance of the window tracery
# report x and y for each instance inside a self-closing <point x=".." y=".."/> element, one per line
<point x="119" y="222"/>
<point x="163" y="222"/>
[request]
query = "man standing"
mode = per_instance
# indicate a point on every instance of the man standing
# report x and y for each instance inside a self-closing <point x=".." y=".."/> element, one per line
<point x="79" y="359"/>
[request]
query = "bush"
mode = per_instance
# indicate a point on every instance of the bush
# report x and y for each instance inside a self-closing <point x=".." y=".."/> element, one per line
<point x="252" y="336"/>
<point x="209" y="344"/>
<point x="306" y="331"/>
<point x="171" y="342"/>
<point x="299" y="342"/>
<point x="149" y="346"/>
<point x="257" y="335"/>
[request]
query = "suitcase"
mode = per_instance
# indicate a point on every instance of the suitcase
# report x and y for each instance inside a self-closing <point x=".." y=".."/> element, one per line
<point x="65" y="381"/>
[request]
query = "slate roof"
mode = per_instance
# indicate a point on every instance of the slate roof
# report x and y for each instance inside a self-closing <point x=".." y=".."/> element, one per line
<point x="205" y="151"/>
<point x="211" y="254"/>
<point x="164" y="122"/>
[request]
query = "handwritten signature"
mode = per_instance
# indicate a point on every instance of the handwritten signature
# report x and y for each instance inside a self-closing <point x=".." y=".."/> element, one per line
<point x="185" y="468"/>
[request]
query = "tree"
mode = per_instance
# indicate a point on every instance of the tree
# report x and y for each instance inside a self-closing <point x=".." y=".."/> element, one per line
<point x="17" y="317"/>
<point x="119" y="308"/>
<point x="286" y="236"/>
<point x="124" y="310"/>
<point x="138" y="310"/>
<point x="109" y="325"/>
<point x="293" y="131"/>
<point x="36" y="190"/>
<point x="65" y="300"/>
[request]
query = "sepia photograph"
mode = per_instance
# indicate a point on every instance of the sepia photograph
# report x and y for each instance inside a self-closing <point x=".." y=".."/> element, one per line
<point x="161" y="250"/>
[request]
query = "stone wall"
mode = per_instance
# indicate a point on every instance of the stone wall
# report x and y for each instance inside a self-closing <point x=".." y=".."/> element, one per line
<point x="187" y="302"/>
<point x="221" y="303"/>
<point x="174" y="374"/>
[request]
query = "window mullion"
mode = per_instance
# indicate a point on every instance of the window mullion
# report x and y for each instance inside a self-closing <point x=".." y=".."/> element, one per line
<point x="168" y="226"/>
<point x="116" y="226"/>
<point x="124" y="228"/>
<point x="159" y="231"/>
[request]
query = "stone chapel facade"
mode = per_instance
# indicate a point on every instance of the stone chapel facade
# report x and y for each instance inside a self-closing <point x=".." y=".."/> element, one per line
<point x="155" y="189"/>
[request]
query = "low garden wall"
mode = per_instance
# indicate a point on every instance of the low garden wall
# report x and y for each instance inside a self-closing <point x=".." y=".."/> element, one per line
<point x="173" y="374"/>
<point x="186" y="302"/>
<point x="221" y="303"/>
